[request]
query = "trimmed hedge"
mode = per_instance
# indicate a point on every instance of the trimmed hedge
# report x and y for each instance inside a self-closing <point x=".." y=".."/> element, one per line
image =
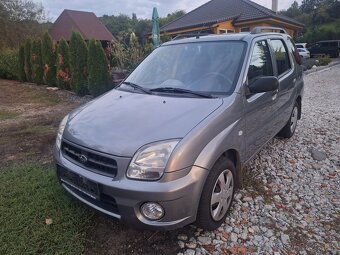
<point x="63" y="65"/>
<point x="99" y="78"/>
<point x="78" y="64"/>
<point x="9" y="64"/>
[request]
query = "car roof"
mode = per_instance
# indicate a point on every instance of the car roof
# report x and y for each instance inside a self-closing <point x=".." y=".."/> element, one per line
<point x="243" y="36"/>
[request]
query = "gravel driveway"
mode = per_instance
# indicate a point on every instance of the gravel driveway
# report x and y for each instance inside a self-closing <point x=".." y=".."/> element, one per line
<point x="293" y="207"/>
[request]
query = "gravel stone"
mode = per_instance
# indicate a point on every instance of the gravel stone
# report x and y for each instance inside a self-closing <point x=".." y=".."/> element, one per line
<point x="182" y="237"/>
<point x="191" y="245"/>
<point x="189" y="252"/>
<point x="285" y="239"/>
<point x="205" y="240"/>
<point x="318" y="155"/>
<point x="233" y="237"/>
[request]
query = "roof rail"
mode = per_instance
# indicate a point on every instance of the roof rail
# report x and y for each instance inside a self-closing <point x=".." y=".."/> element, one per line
<point x="258" y="30"/>
<point x="183" y="36"/>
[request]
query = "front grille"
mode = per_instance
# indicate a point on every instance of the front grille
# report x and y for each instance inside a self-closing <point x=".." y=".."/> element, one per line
<point x="93" y="161"/>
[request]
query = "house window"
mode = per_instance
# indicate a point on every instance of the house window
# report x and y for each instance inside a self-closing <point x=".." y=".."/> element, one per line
<point x="245" y="29"/>
<point x="226" y="31"/>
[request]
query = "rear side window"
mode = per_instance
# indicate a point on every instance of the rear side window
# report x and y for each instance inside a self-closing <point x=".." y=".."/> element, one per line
<point x="294" y="49"/>
<point x="260" y="64"/>
<point x="281" y="55"/>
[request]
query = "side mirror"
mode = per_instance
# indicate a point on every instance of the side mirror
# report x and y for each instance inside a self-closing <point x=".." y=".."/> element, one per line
<point x="263" y="84"/>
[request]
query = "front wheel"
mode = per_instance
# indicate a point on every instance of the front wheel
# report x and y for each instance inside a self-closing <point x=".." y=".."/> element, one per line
<point x="217" y="195"/>
<point x="289" y="129"/>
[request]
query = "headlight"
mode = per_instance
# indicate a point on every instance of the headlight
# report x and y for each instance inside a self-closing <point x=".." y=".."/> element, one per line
<point x="150" y="161"/>
<point x="61" y="131"/>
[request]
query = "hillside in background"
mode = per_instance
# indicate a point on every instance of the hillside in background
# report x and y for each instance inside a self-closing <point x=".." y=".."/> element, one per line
<point x="122" y="25"/>
<point x="321" y="19"/>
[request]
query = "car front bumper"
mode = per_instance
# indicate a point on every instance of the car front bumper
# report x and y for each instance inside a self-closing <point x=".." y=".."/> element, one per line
<point x="178" y="193"/>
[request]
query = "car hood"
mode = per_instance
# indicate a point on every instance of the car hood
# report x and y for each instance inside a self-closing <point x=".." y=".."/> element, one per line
<point x="120" y="122"/>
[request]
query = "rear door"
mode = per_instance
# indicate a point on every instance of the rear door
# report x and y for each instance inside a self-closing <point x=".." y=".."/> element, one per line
<point x="259" y="112"/>
<point x="285" y="72"/>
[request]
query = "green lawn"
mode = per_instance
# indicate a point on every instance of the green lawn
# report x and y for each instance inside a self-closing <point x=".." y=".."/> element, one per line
<point x="30" y="194"/>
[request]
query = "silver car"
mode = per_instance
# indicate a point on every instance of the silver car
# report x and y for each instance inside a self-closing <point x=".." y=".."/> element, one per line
<point x="166" y="147"/>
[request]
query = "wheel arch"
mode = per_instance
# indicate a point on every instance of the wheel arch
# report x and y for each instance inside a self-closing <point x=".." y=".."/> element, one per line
<point x="234" y="156"/>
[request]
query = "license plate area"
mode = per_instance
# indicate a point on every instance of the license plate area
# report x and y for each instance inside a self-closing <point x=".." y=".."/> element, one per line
<point x="79" y="182"/>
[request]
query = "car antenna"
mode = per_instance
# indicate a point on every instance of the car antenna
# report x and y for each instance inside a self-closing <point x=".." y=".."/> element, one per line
<point x="199" y="32"/>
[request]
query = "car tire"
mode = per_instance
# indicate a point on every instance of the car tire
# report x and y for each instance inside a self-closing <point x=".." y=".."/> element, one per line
<point x="289" y="129"/>
<point x="217" y="195"/>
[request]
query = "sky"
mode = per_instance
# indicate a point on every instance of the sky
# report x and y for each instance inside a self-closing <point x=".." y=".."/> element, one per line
<point x="143" y="8"/>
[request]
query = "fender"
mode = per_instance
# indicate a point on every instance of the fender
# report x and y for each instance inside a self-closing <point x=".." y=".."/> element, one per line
<point x="222" y="143"/>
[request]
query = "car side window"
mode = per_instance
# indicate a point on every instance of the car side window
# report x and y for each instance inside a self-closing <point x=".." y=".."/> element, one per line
<point x="260" y="63"/>
<point x="281" y="56"/>
<point x="293" y="48"/>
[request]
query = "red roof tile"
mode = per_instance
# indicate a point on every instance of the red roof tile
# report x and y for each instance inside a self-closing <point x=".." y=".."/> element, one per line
<point x="86" y="23"/>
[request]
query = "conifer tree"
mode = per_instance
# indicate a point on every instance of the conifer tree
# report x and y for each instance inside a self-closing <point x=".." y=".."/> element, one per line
<point x="21" y="63"/>
<point x="99" y="78"/>
<point x="48" y="59"/>
<point x="28" y="65"/>
<point x="63" y="65"/>
<point x="78" y="64"/>
<point x="36" y="60"/>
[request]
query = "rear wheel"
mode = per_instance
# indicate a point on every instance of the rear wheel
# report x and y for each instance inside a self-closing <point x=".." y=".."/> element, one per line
<point x="217" y="195"/>
<point x="289" y="129"/>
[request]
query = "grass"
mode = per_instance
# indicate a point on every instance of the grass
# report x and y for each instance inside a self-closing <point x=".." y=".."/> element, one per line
<point x="5" y="115"/>
<point x="29" y="195"/>
<point x="35" y="130"/>
<point x="45" y="99"/>
<point x="250" y="179"/>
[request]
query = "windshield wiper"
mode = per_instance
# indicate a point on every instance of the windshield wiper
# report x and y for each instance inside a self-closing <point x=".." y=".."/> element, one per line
<point x="179" y="90"/>
<point x="136" y="86"/>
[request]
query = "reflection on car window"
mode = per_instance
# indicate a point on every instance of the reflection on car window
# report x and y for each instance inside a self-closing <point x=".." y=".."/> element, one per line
<point x="293" y="48"/>
<point x="281" y="55"/>
<point x="201" y="66"/>
<point x="260" y="64"/>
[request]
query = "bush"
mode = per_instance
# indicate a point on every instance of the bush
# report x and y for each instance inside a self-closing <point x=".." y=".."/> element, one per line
<point x="78" y="64"/>
<point x="324" y="61"/>
<point x="48" y="59"/>
<point x="63" y="65"/>
<point x="21" y="64"/>
<point x="28" y="64"/>
<point x="98" y="79"/>
<point x="9" y="64"/>
<point x="126" y="57"/>
<point x="36" y="60"/>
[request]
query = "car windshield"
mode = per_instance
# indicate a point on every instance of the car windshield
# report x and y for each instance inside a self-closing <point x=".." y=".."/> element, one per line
<point x="207" y="67"/>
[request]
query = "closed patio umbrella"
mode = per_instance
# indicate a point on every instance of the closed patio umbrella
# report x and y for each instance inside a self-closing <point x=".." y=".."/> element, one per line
<point x="155" y="28"/>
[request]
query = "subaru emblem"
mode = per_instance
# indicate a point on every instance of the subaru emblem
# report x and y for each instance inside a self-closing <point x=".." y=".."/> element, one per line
<point x="83" y="158"/>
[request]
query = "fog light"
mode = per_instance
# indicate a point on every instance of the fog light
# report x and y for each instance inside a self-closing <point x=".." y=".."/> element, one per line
<point x="152" y="211"/>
